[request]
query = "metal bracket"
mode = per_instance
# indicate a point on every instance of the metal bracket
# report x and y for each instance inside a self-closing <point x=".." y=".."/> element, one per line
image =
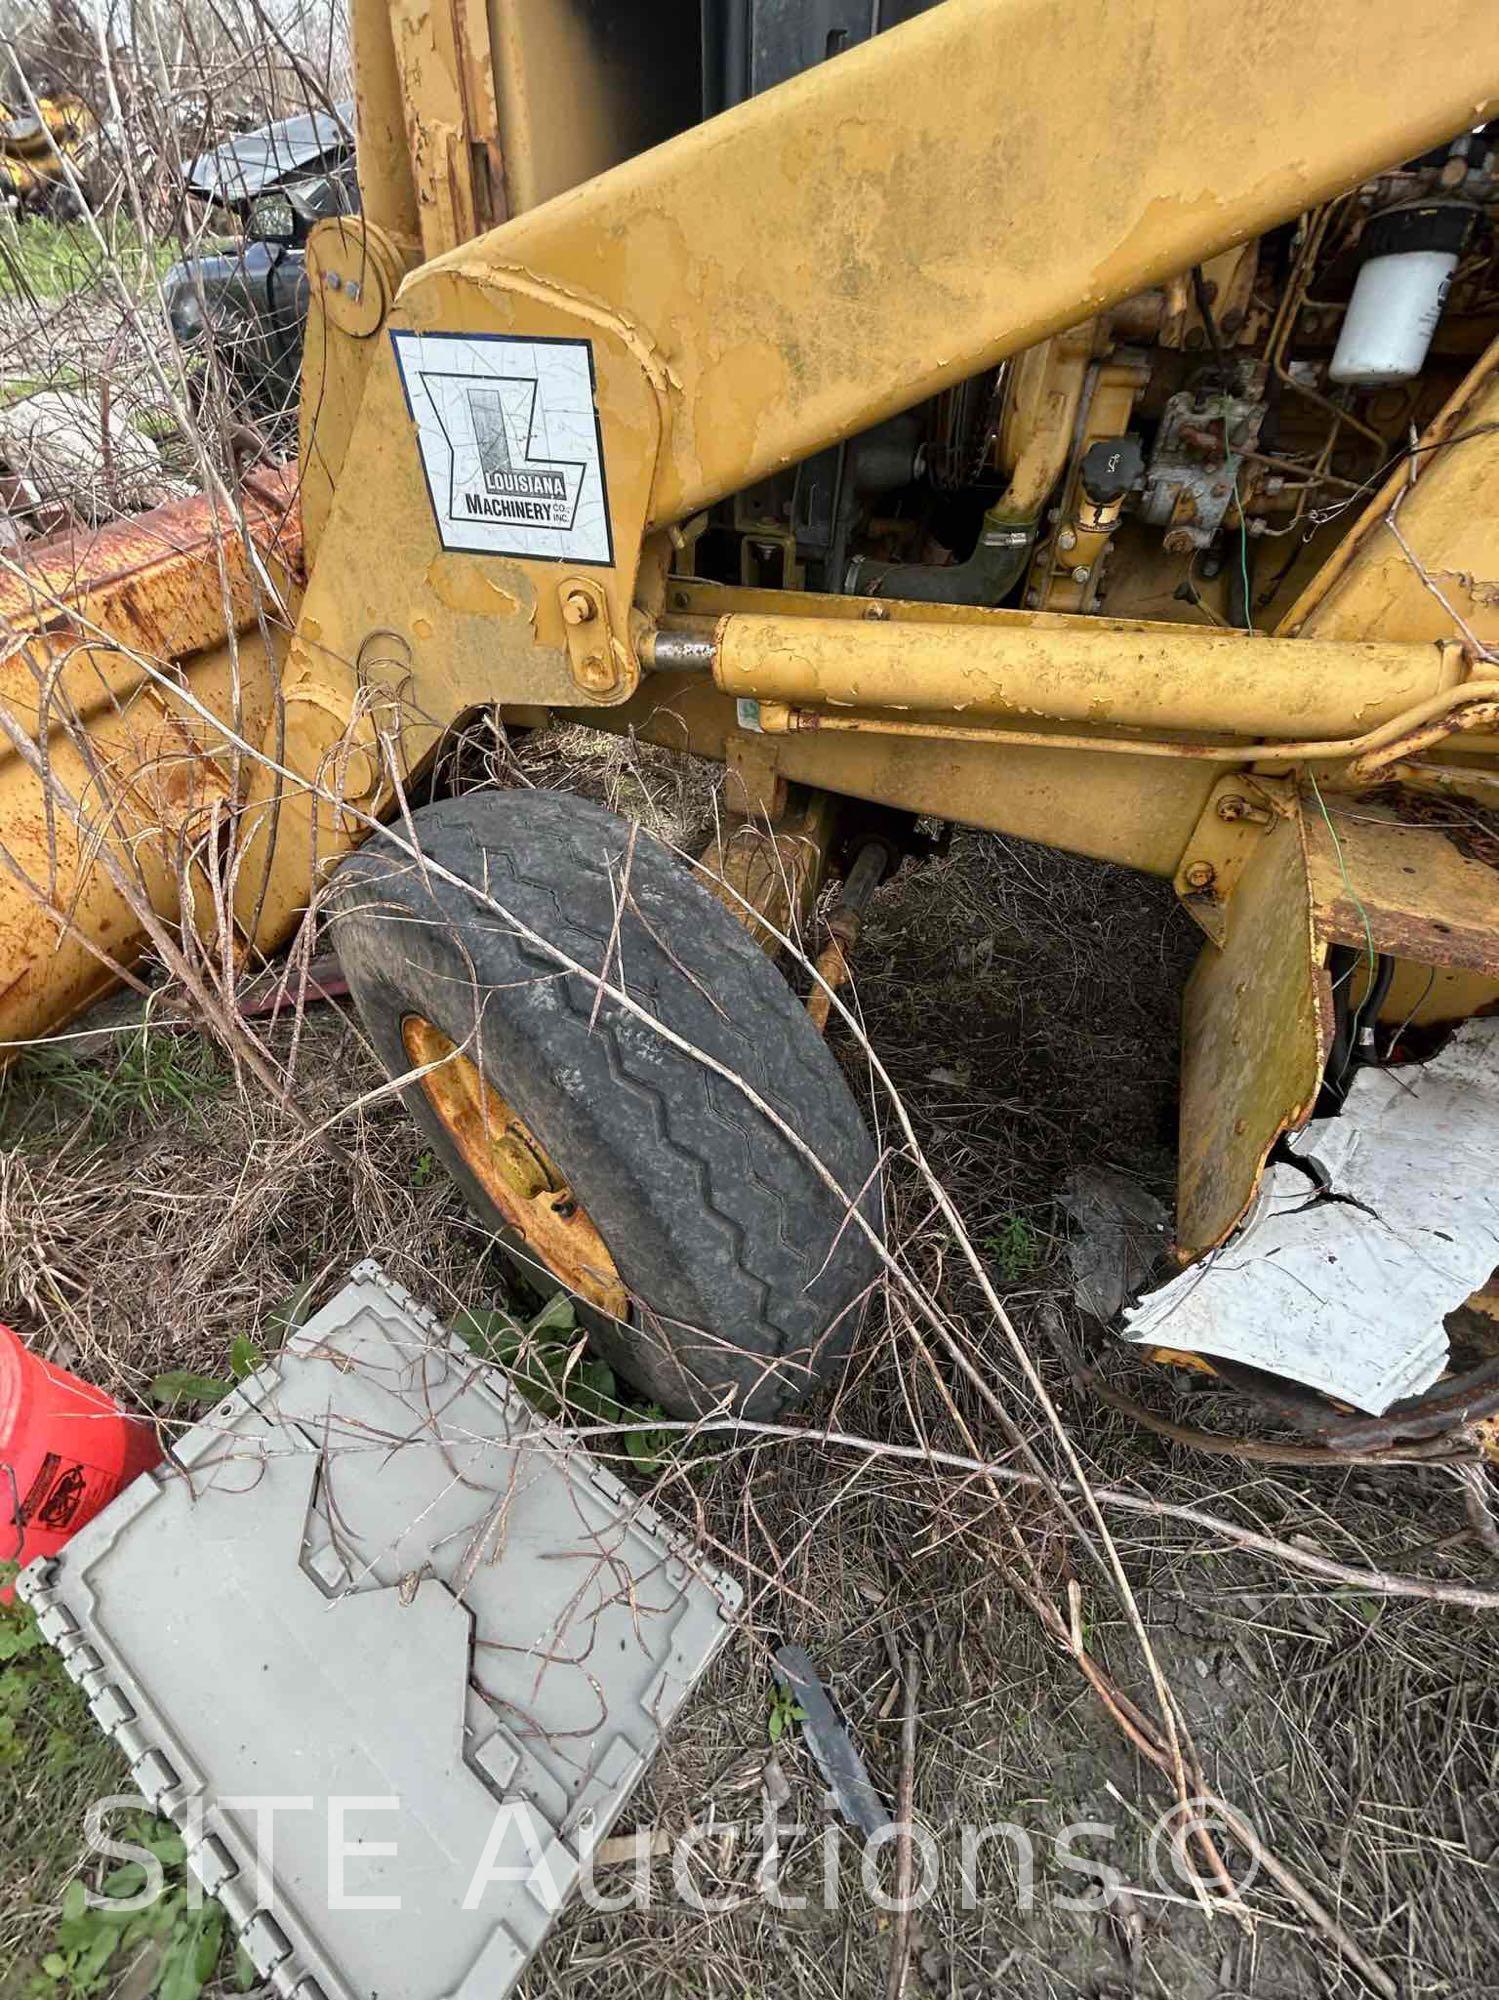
<point x="1240" y="810"/>
<point x="592" y="650"/>
<point x="354" y="270"/>
<point x="754" y="786"/>
<point x="1256" y="1026"/>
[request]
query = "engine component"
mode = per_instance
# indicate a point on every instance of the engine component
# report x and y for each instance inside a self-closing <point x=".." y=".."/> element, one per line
<point x="986" y="577"/>
<point x="1109" y="468"/>
<point x="1194" y="467"/>
<point x="1043" y="399"/>
<point x="1410" y="254"/>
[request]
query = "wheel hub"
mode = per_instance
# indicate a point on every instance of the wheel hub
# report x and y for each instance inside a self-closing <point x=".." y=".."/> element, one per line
<point x="514" y="1168"/>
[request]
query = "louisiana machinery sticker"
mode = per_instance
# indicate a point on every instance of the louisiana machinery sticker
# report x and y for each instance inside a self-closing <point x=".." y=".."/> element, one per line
<point x="510" y="443"/>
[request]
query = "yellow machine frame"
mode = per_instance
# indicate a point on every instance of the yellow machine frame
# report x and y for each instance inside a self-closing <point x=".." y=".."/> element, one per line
<point x="953" y="192"/>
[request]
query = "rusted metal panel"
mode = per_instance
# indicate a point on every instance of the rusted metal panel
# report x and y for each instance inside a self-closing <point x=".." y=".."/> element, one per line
<point x="137" y="729"/>
<point x="1409" y="890"/>
<point x="152" y="582"/>
<point x="1237" y="816"/>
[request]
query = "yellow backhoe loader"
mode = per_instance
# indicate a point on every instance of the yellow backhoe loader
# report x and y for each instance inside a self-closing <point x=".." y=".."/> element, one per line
<point x="1069" y="418"/>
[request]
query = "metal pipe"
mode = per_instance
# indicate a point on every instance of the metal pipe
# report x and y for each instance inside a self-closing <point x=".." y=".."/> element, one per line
<point x="845" y="924"/>
<point x="678" y="652"/>
<point x="998" y="562"/>
<point x="1123" y="674"/>
<point x="1471" y="706"/>
<point x="1046" y="396"/>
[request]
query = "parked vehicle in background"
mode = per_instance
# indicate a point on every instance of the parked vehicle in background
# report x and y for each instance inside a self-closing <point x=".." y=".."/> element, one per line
<point x="242" y="306"/>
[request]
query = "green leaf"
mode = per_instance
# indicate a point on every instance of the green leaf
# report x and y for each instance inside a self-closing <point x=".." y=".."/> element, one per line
<point x="1014" y="1248"/>
<point x="74" y="1900"/>
<point x="95" y="1956"/>
<point x="125" y="1880"/>
<point x="179" y="1979"/>
<point x="558" y="1315"/>
<point x="245" y="1975"/>
<point x="18" y="1640"/>
<point x="598" y="1376"/>
<point x="493" y="1335"/>
<point x="647" y="1448"/>
<point x="210" y="1941"/>
<point x="777" y="1724"/>
<point x="54" y="1965"/>
<point x="244" y="1357"/>
<point x="178" y="1386"/>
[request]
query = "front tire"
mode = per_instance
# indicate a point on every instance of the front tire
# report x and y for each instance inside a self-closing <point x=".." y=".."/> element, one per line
<point x="712" y="1264"/>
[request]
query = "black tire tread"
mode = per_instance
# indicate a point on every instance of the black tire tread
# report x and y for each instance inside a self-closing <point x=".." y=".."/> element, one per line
<point x="774" y="1262"/>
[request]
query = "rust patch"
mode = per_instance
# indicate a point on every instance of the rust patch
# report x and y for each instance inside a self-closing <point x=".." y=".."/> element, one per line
<point x="146" y="570"/>
<point x="1472" y="829"/>
<point x="1405" y="873"/>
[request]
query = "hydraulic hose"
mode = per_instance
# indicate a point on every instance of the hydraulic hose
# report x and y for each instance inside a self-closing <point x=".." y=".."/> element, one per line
<point x="988" y="576"/>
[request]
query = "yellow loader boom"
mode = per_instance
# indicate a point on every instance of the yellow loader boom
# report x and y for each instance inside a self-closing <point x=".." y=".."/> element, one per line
<point x="552" y="367"/>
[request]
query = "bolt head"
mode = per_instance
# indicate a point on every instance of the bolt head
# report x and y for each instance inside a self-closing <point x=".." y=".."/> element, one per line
<point x="1081" y="573"/>
<point x="597" y="673"/>
<point x="1200" y="875"/>
<point x="1066" y="538"/>
<point x="577" y="607"/>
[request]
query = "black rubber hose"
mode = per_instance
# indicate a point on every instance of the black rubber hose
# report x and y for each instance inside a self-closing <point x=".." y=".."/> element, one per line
<point x="988" y="576"/>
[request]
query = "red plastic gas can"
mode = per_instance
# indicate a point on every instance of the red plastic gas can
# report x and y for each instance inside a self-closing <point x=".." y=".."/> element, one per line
<point x="66" y="1450"/>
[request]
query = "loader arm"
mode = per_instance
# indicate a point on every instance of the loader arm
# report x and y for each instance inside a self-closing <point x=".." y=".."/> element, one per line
<point x="768" y="283"/>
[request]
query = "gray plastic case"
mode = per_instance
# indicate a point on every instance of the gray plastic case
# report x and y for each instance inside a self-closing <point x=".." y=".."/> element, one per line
<point x="372" y="1574"/>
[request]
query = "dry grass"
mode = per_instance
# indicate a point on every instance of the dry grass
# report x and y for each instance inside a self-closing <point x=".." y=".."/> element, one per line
<point x="1025" y="1006"/>
<point x="157" y="1200"/>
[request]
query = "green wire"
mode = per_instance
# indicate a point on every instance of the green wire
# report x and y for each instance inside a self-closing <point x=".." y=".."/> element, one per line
<point x="1353" y="895"/>
<point x="1243" y="547"/>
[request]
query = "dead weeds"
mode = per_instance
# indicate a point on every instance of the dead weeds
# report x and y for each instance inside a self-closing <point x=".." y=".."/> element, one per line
<point x="1026" y="1009"/>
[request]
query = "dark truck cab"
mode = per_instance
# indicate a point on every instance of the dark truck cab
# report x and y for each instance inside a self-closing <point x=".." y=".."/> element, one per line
<point x="246" y="303"/>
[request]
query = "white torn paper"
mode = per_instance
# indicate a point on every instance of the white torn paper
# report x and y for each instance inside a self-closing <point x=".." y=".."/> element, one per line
<point x="1346" y="1289"/>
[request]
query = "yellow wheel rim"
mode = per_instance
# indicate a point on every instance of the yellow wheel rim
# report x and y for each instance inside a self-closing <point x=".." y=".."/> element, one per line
<point x="514" y="1169"/>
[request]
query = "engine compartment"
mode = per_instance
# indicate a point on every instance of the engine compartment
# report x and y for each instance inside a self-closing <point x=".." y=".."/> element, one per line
<point x="1190" y="455"/>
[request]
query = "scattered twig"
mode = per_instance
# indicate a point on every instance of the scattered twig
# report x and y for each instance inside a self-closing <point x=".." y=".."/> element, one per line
<point x="905" y="1797"/>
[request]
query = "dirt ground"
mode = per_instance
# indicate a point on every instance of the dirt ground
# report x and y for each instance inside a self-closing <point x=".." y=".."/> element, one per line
<point x="153" y="1206"/>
